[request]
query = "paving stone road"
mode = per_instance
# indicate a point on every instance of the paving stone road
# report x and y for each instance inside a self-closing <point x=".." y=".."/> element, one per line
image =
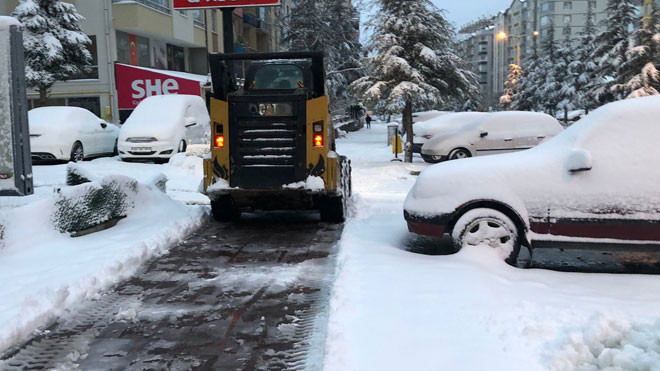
<point x="249" y="296"/>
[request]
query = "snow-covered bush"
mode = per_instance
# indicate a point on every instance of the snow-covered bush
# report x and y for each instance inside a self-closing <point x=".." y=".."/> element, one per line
<point x="158" y="182"/>
<point x="76" y="175"/>
<point x="91" y="204"/>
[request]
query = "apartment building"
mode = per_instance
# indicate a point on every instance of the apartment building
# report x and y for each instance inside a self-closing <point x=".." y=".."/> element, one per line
<point x="149" y="34"/>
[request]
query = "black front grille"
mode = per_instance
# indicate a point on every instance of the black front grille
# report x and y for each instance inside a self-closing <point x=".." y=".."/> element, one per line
<point x="267" y="151"/>
<point x="267" y="143"/>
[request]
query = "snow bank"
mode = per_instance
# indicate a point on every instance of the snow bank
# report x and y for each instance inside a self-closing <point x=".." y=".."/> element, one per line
<point x="44" y="271"/>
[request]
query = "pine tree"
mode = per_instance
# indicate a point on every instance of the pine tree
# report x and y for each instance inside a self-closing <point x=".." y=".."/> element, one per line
<point x="638" y="75"/>
<point x="414" y="65"/>
<point x="524" y="99"/>
<point x="333" y="27"/>
<point x="546" y="94"/>
<point x="583" y="67"/>
<point x="511" y="86"/>
<point x="55" y="46"/>
<point x="565" y="77"/>
<point x="611" y="47"/>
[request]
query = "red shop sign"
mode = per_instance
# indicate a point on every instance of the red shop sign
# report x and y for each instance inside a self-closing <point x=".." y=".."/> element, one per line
<point x="201" y="4"/>
<point x="134" y="84"/>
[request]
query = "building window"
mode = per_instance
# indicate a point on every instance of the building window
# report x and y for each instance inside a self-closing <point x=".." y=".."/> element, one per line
<point x="567" y="30"/>
<point x="133" y="49"/>
<point x="545" y="20"/>
<point x="568" y="5"/>
<point x="198" y="17"/>
<point x="160" y="5"/>
<point x="175" y="58"/>
<point x="593" y="4"/>
<point x="92" y="70"/>
<point x="548" y="6"/>
<point x="214" y="21"/>
<point x="567" y="19"/>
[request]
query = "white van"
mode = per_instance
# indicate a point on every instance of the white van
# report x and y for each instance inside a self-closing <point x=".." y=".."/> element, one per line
<point x="164" y="125"/>
<point x="492" y="133"/>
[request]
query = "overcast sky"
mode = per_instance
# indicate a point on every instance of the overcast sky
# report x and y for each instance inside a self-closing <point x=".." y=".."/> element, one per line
<point x="463" y="11"/>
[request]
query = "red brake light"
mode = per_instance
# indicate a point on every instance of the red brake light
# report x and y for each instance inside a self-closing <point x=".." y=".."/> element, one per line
<point x="318" y="140"/>
<point x="219" y="141"/>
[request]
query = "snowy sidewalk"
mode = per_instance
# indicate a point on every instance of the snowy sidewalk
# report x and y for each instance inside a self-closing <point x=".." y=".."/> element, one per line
<point x="397" y="310"/>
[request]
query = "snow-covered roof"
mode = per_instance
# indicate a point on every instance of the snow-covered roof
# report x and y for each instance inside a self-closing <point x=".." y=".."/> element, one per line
<point x="6" y="22"/>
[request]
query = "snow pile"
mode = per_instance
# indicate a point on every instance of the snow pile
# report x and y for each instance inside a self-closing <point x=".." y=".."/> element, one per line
<point x="393" y="309"/>
<point x="6" y="22"/>
<point x="610" y="343"/>
<point x="45" y="271"/>
<point x="312" y="183"/>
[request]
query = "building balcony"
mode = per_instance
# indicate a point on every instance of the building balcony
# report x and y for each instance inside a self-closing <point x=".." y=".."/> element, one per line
<point x="154" y="4"/>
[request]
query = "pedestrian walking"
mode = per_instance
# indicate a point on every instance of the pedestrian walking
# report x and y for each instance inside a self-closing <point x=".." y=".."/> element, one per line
<point x="368" y="120"/>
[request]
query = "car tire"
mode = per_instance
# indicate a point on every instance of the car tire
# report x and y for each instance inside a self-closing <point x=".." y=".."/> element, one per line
<point x="224" y="209"/>
<point x="459" y="153"/>
<point x="182" y="147"/>
<point x="432" y="159"/>
<point x="77" y="152"/>
<point x="491" y="228"/>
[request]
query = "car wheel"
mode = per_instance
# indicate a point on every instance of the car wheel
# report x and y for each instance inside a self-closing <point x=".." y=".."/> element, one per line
<point x="182" y="146"/>
<point x="432" y="159"/>
<point x="488" y="227"/>
<point x="77" y="152"/>
<point x="459" y="153"/>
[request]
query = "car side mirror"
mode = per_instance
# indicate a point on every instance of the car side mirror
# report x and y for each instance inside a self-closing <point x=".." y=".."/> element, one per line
<point x="483" y="134"/>
<point x="104" y="125"/>
<point x="579" y="160"/>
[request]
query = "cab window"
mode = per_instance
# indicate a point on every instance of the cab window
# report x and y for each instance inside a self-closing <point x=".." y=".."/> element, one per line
<point x="278" y="77"/>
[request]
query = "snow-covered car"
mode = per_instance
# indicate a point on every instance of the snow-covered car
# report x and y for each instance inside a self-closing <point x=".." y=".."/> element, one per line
<point x="594" y="185"/>
<point x="491" y="134"/>
<point x="425" y="130"/>
<point x="163" y="125"/>
<point x="69" y="134"/>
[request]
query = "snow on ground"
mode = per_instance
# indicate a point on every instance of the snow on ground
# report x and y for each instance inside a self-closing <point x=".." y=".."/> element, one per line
<point x="397" y="310"/>
<point x="44" y="272"/>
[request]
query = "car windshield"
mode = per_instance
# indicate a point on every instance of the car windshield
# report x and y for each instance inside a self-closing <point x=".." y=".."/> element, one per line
<point x="277" y="77"/>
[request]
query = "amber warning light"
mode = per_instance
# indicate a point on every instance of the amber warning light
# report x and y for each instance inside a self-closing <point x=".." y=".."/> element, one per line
<point x="318" y="140"/>
<point x="220" y="141"/>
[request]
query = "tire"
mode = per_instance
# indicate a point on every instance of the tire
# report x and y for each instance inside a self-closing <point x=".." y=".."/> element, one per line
<point x="182" y="146"/>
<point x="224" y="209"/>
<point x="459" y="153"/>
<point x="333" y="209"/>
<point x="432" y="159"/>
<point x="488" y="227"/>
<point x="77" y="152"/>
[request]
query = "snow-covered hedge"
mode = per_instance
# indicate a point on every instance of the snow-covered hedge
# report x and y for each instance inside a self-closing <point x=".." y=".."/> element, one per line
<point x="94" y="203"/>
<point x="76" y="175"/>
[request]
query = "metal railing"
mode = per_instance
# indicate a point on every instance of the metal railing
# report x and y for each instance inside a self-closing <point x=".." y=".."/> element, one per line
<point x="153" y="4"/>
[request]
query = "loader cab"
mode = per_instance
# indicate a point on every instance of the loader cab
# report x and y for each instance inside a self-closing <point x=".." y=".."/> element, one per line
<point x="273" y="137"/>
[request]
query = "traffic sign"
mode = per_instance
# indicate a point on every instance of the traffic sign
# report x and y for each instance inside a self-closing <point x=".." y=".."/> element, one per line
<point x="204" y="4"/>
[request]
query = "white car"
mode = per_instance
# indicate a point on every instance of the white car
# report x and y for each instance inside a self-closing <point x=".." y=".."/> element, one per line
<point x="490" y="134"/>
<point x="595" y="185"/>
<point x="69" y="134"/>
<point x="163" y="125"/>
<point x="425" y="130"/>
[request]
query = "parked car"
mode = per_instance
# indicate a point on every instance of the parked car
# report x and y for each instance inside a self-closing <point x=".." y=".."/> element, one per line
<point x="490" y="134"/>
<point x="594" y="185"/>
<point x="425" y="130"/>
<point x="69" y="134"/>
<point x="163" y="125"/>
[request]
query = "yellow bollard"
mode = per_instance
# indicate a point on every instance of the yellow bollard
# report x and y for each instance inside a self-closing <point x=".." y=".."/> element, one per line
<point x="396" y="144"/>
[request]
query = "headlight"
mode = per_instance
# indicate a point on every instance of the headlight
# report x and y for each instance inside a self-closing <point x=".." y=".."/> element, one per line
<point x="272" y="109"/>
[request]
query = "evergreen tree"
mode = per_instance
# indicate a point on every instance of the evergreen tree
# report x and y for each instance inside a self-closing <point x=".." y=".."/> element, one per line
<point x="414" y="65"/>
<point x="511" y="86"/>
<point x="546" y="94"/>
<point x="638" y="75"/>
<point x="55" y="46"/>
<point x="566" y="93"/>
<point x="611" y="47"/>
<point x="583" y="68"/>
<point x="333" y="27"/>
<point x="525" y="98"/>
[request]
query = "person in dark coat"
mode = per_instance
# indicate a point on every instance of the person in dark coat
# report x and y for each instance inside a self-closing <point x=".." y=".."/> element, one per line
<point x="368" y="120"/>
